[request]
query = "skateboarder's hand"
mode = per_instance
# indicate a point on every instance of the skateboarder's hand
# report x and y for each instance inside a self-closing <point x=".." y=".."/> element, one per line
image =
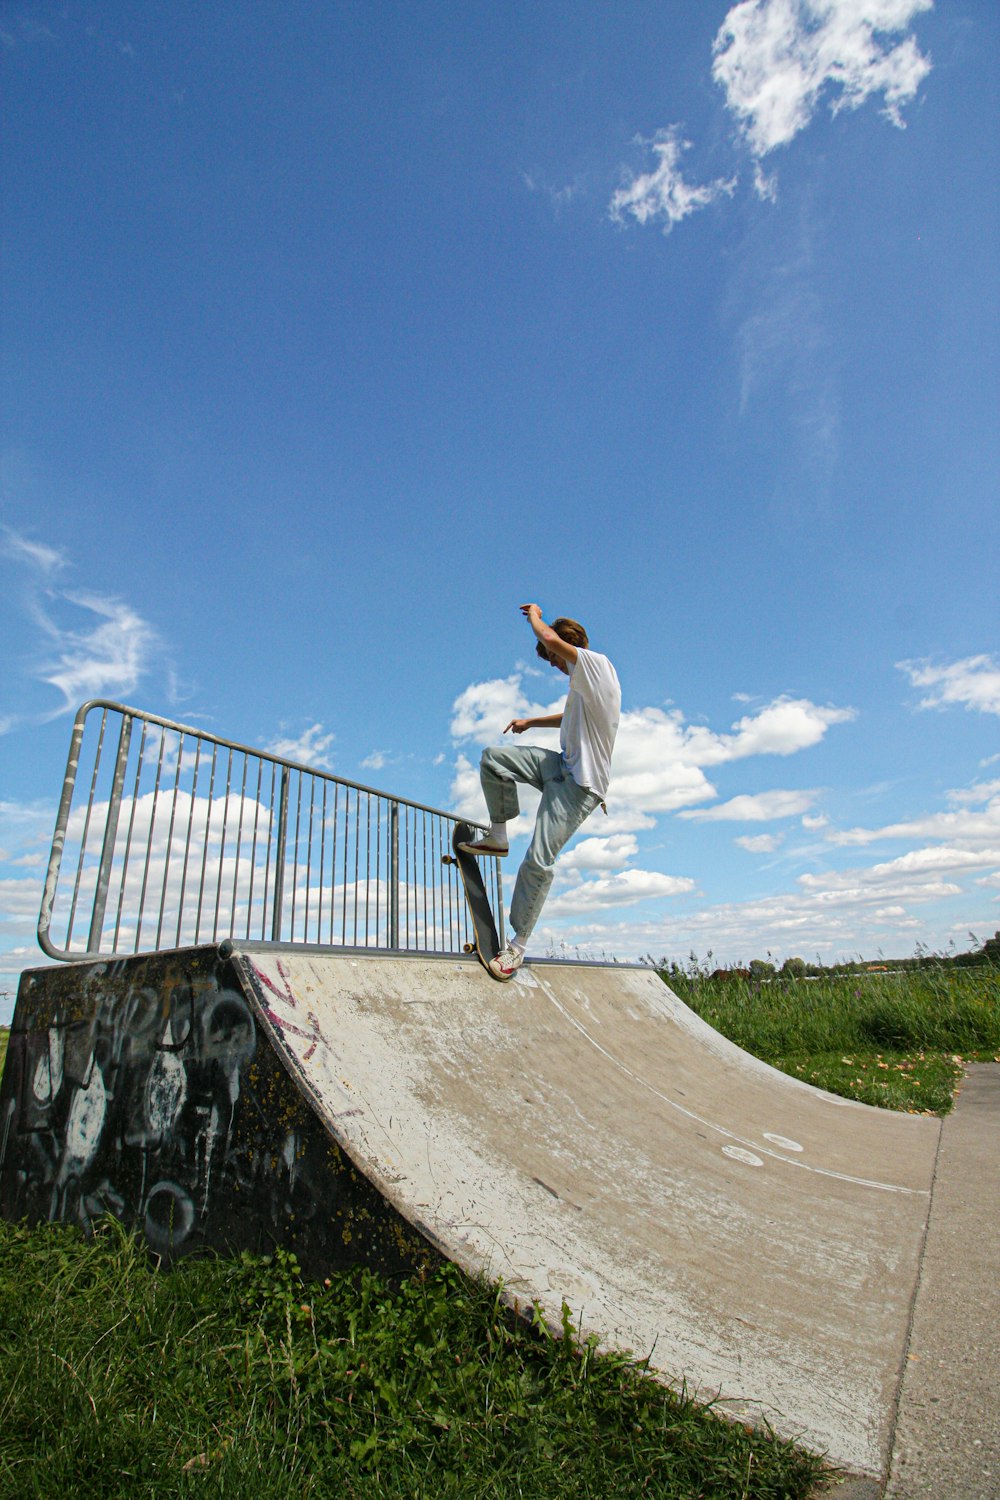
<point x="528" y="609"/>
<point x="518" y="726"/>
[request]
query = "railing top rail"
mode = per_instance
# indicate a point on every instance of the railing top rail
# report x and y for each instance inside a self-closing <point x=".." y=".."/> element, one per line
<point x="266" y="755"/>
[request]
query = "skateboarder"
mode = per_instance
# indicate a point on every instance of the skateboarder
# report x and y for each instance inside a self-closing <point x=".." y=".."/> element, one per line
<point x="573" y="780"/>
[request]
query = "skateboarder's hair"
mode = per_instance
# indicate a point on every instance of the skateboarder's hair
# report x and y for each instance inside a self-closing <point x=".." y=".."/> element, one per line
<point x="570" y="631"/>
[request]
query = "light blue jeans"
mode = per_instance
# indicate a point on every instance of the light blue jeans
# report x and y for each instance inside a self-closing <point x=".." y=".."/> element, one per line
<point x="563" y="807"/>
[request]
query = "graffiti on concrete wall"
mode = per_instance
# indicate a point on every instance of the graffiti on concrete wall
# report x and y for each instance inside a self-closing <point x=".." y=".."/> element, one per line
<point x="145" y="1089"/>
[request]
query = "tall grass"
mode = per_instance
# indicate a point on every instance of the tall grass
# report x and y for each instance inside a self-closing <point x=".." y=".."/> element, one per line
<point x="831" y="1029"/>
<point x="227" y="1378"/>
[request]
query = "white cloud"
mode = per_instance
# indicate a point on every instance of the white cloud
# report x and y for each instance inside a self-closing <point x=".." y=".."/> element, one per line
<point x="776" y="60"/>
<point x="662" y="194"/>
<point x="935" y="859"/>
<point x="375" y="762"/>
<point x="310" y="748"/>
<point x="483" y="711"/>
<point x="760" y="843"/>
<point x="46" y="559"/>
<point x="105" y="657"/>
<point x="971" y="796"/>
<point x="966" y="827"/>
<point x="108" y="660"/>
<point x="783" y="728"/>
<point x="600" y="853"/>
<point x="658" y="758"/>
<point x="973" y="682"/>
<point x="758" y="808"/>
<point x="624" y="889"/>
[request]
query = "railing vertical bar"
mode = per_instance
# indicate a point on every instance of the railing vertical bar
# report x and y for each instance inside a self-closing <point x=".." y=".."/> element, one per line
<point x="450" y="870"/>
<point x="150" y="834"/>
<point x="406" y="844"/>
<point x="347" y="839"/>
<point x="378" y="869"/>
<point x="309" y="844"/>
<point x="123" y="880"/>
<point x="205" y="847"/>
<point x="357" y="859"/>
<point x="295" y="855"/>
<point x="187" y="842"/>
<point x="222" y="847"/>
<point x="368" y="860"/>
<point x="322" y="868"/>
<point x="333" y="858"/>
<point x="279" y="855"/>
<point x="239" y="848"/>
<point x="85" y="835"/>
<point x="110" y="837"/>
<point x="394" y="875"/>
<point x="165" y="886"/>
<point x="59" y="839"/>
<point x="253" y="848"/>
<point x="424" y="848"/>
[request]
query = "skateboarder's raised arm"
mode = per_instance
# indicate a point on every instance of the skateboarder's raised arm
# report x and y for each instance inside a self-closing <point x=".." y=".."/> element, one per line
<point x="553" y="645"/>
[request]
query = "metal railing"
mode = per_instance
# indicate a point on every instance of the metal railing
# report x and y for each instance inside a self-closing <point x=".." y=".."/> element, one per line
<point x="167" y="837"/>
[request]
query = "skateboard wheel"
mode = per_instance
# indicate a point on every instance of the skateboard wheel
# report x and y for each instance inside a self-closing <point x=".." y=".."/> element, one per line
<point x="468" y="947"/>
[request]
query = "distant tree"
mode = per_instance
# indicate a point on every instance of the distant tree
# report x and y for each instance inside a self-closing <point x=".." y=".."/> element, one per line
<point x="794" y="968"/>
<point x="761" y="969"/>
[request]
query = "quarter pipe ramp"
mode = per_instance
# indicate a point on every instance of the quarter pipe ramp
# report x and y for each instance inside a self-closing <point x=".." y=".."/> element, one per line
<point x="579" y="1133"/>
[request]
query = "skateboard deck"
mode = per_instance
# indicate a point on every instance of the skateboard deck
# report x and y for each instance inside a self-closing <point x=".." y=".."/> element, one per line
<point x="487" y="943"/>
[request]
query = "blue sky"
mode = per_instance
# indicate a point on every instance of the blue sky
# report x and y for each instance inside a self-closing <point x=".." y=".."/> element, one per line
<point x="331" y="334"/>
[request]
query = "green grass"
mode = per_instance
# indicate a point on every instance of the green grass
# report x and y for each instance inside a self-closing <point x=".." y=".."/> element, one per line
<point x="226" y="1378"/>
<point x="4" y="1036"/>
<point x="895" y="1040"/>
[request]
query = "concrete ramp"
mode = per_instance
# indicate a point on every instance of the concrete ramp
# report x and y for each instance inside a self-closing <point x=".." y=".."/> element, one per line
<point x="581" y="1134"/>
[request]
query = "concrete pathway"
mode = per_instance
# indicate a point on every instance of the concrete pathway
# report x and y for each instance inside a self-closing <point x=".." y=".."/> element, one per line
<point x="947" y="1441"/>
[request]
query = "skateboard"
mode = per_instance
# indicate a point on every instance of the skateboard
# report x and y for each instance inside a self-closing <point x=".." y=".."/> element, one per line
<point x="486" y="944"/>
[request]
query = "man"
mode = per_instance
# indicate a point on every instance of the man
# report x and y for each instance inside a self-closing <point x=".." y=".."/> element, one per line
<point x="572" y="780"/>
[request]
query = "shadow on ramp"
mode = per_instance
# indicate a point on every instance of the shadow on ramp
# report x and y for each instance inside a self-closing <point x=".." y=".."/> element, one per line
<point x="578" y="1133"/>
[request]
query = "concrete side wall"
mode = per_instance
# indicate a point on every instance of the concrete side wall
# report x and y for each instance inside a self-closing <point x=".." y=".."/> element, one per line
<point x="146" y="1089"/>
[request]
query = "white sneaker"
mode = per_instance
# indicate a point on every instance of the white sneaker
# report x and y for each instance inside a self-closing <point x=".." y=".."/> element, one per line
<point x="507" y="962"/>
<point x="485" y="846"/>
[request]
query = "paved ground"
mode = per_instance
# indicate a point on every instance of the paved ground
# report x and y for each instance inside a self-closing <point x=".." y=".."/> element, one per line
<point x="948" y="1433"/>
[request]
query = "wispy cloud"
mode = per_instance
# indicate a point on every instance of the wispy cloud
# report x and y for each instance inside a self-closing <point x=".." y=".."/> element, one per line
<point x="760" y="843"/>
<point x="973" y="682"/>
<point x="310" y="748"/>
<point x="627" y="888"/>
<point x="106" y="659"/>
<point x="776" y="60"/>
<point x="663" y="195"/>
<point x="90" y="645"/>
<point x="45" y="559"/>
<point x="761" y="807"/>
<point x="969" y="826"/>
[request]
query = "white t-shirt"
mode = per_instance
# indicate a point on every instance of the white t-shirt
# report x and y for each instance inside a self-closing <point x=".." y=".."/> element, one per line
<point x="590" y="720"/>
